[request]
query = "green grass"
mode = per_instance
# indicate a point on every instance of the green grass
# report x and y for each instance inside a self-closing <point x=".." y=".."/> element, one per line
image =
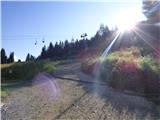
<point x="128" y="70"/>
<point x="17" y="75"/>
<point x="87" y="66"/>
<point x="150" y="64"/>
<point x="3" y="93"/>
<point x="25" y="70"/>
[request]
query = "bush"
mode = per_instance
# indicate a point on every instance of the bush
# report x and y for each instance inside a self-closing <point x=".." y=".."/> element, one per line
<point x="87" y="66"/>
<point x="127" y="70"/>
<point x="151" y="75"/>
<point x="26" y="70"/>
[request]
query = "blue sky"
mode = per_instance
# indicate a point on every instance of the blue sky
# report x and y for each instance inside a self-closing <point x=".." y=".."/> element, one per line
<point x="23" y="23"/>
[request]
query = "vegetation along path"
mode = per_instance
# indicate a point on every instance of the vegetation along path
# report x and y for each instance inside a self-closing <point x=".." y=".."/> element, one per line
<point x="50" y="98"/>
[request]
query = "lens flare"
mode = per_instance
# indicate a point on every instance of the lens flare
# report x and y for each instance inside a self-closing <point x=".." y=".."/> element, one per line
<point x="48" y="87"/>
<point x="126" y="20"/>
<point x="126" y="26"/>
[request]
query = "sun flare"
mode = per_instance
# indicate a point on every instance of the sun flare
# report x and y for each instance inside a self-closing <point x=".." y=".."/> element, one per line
<point x="127" y="20"/>
<point x="126" y="25"/>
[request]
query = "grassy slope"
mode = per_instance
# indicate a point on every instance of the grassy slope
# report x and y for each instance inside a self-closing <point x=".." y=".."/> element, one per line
<point x="14" y="74"/>
<point x="134" y="68"/>
<point x="128" y="70"/>
<point x="19" y="72"/>
<point x="25" y="70"/>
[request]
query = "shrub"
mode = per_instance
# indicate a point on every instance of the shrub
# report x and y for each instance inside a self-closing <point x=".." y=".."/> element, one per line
<point x="127" y="70"/>
<point x="87" y="66"/>
<point x="26" y="70"/>
<point x="151" y="75"/>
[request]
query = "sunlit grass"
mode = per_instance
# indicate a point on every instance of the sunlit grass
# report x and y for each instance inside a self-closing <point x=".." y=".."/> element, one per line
<point x="25" y="70"/>
<point x="3" y="93"/>
<point x="150" y="64"/>
<point x="6" y="65"/>
<point x="128" y="55"/>
<point x="88" y="65"/>
<point x="128" y="70"/>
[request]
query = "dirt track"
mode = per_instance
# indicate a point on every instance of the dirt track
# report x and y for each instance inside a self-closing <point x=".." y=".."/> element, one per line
<point x="49" y="98"/>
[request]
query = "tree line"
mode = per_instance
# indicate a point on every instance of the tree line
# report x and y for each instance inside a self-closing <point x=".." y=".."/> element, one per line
<point x="5" y="59"/>
<point x="64" y="50"/>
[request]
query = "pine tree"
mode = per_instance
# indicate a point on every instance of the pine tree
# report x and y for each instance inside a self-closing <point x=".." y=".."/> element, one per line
<point x="11" y="58"/>
<point x="19" y="61"/>
<point x="3" y="56"/>
<point x="50" y="50"/>
<point x="43" y="53"/>
<point x="66" y="49"/>
<point x="28" y="57"/>
<point x="32" y="58"/>
<point x="150" y="7"/>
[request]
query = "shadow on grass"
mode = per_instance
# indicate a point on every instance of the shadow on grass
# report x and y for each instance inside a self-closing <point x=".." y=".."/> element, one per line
<point x="16" y="85"/>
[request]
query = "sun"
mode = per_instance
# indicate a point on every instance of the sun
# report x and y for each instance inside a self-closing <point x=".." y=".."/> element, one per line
<point x="124" y="25"/>
<point x="126" y="20"/>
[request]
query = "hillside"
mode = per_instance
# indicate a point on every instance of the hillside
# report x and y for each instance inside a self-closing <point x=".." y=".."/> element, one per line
<point x="133" y="62"/>
<point x="128" y="77"/>
<point x="48" y="97"/>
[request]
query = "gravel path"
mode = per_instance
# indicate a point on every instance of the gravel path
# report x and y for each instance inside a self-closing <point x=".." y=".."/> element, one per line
<point x="49" y="98"/>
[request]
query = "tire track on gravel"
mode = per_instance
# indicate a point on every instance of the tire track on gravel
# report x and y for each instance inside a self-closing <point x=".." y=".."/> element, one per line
<point x="70" y="106"/>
